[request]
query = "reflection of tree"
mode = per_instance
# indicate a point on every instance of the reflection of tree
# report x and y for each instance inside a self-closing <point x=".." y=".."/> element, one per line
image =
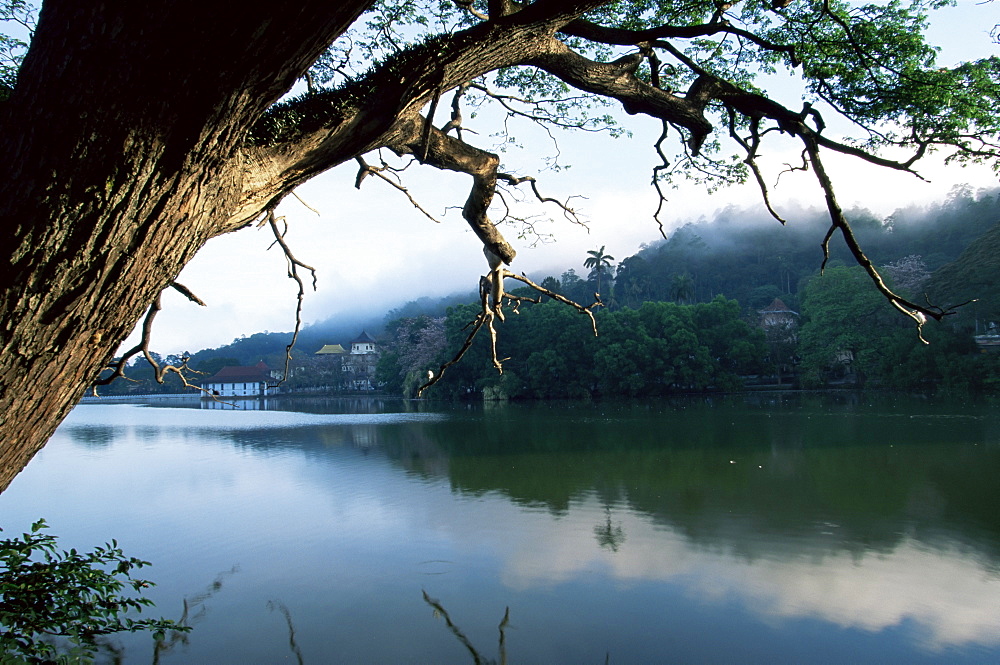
<point x="802" y="460"/>
<point x="281" y="607"/>
<point x="439" y="611"/>
<point x="94" y="436"/>
<point x="608" y="535"/>
<point x="194" y="611"/>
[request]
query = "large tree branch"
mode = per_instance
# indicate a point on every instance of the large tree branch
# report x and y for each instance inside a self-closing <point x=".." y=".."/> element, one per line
<point x="623" y="37"/>
<point x="446" y="152"/>
<point x="299" y="139"/>
<point x="618" y="81"/>
<point x="120" y="145"/>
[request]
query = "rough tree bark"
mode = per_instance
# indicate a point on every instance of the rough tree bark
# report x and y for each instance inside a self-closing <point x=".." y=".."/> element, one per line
<point x="121" y="151"/>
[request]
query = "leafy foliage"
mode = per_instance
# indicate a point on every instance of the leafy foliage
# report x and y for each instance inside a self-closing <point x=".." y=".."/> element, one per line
<point x="649" y="346"/>
<point x="972" y="276"/>
<point x="13" y="48"/>
<point x="659" y="348"/>
<point x="852" y="335"/>
<point x="47" y="594"/>
<point x="847" y="325"/>
<point x="413" y="349"/>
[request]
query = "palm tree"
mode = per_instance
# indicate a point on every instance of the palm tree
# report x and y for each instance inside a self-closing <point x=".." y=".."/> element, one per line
<point x="598" y="262"/>
<point x="682" y="288"/>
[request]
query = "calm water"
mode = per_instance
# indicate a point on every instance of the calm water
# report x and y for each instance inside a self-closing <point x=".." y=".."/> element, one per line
<point x="740" y="530"/>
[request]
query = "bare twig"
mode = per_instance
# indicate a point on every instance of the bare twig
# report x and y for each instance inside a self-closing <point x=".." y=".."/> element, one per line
<point x="476" y="324"/>
<point x="293" y="265"/>
<point x="588" y="310"/>
<point x="296" y="195"/>
<point x="568" y="212"/>
<point x="491" y="303"/>
<point x="117" y="367"/>
<point x="186" y="292"/>
<point x="751" y="159"/>
<point x="664" y="165"/>
<point x="367" y="169"/>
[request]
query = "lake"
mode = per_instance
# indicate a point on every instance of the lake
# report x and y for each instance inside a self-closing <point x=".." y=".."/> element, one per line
<point x="762" y="528"/>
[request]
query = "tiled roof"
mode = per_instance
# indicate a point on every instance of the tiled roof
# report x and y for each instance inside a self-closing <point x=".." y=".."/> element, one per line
<point x="364" y="338"/>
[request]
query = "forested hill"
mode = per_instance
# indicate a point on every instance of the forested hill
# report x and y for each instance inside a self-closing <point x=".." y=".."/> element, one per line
<point x="270" y="346"/>
<point x="753" y="259"/>
<point x="972" y="277"/>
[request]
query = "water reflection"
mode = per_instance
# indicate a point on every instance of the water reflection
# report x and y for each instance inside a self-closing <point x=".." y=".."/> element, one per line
<point x="687" y="530"/>
<point x="950" y="592"/>
<point x="440" y="611"/>
<point x="95" y="436"/>
<point x="852" y="517"/>
<point x="608" y="535"/>
<point x="234" y="405"/>
<point x="194" y="610"/>
<point x="273" y="605"/>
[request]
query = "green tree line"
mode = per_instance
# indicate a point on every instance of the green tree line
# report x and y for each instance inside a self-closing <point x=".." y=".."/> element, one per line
<point x="658" y="348"/>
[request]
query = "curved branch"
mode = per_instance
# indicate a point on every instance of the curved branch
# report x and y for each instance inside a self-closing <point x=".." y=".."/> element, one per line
<point x="918" y="313"/>
<point x="298" y="139"/>
<point x="542" y="116"/>
<point x="446" y="152"/>
<point x="367" y="169"/>
<point x="664" y="165"/>
<point x="514" y="181"/>
<point x="490" y="309"/>
<point x="751" y="159"/>
<point x="159" y="372"/>
<point x="187" y="293"/>
<point x="623" y="37"/>
<point x="619" y="82"/>
<point x="293" y="273"/>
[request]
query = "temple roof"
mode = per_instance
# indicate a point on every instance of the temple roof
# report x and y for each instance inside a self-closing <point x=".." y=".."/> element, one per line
<point x="329" y="349"/>
<point x="777" y="305"/>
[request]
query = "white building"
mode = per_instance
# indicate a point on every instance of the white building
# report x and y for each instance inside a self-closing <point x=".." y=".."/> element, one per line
<point x="359" y="365"/>
<point x="242" y="382"/>
<point x="363" y="344"/>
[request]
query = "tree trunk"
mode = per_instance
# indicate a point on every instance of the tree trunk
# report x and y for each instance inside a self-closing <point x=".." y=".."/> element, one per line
<point x="118" y="148"/>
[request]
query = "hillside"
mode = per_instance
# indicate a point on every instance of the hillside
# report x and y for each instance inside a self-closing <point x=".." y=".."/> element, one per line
<point x="972" y="276"/>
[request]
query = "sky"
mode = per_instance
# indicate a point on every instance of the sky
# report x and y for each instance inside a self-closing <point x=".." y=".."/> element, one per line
<point x="374" y="251"/>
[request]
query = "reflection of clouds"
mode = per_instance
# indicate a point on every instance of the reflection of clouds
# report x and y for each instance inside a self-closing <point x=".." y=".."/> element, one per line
<point x="946" y="591"/>
<point x="90" y="415"/>
<point x="951" y="594"/>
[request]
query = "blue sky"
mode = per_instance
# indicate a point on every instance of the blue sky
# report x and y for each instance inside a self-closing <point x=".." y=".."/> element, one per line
<point x="373" y="250"/>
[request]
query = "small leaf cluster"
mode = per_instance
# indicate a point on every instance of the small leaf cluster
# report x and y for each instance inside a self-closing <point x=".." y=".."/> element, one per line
<point x="12" y="48"/>
<point x="49" y="597"/>
<point x="299" y="115"/>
